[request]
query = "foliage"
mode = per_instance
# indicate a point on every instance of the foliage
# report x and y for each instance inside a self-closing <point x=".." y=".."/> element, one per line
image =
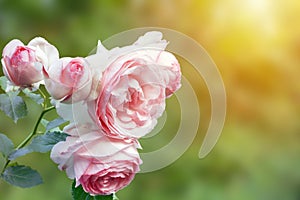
<point x="21" y="176"/>
<point x="13" y="105"/>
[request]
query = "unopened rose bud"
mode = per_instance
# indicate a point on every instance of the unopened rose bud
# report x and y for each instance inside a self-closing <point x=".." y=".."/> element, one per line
<point x="69" y="80"/>
<point x="23" y="65"/>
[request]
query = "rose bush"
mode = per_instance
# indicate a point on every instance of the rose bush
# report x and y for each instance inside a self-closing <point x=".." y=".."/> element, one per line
<point x="100" y="164"/>
<point x="69" y="79"/>
<point x="23" y="65"/>
<point x="110" y="99"/>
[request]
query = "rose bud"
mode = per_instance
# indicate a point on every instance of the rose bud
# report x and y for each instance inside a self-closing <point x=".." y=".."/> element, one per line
<point x="23" y="65"/>
<point x="69" y="80"/>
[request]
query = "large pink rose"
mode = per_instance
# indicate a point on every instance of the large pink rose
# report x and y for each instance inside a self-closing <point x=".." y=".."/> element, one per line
<point x="69" y="79"/>
<point x="100" y="164"/>
<point x="132" y="93"/>
<point x="23" y="65"/>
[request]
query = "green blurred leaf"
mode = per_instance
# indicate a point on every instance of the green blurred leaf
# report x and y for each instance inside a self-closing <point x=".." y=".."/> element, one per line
<point x="13" y="105"/>
<point x="22" y="176"/>
<point x="41" y="143"/>
<point x="55" y="123"/>
<point x="3" y="82"/>
<point x="6" y="145"/>
<point x="35" y="97"/>
<point x="79" y="194"/>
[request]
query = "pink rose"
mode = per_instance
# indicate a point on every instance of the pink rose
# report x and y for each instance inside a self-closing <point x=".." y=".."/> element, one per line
<point x="100" y="164"/>
<point x="69" y="79"/>
<point x="23" y="65"/>
<point x="133" y="91"/>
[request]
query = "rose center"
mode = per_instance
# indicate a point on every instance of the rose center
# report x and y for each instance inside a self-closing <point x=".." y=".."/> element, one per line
<point x="21" y="56"/>
<point x="72" y="73"/>
<point x="135" y="100"/>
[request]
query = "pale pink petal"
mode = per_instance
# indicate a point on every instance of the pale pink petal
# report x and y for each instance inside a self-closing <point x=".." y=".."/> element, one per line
<point x="46" y="52"/>
<point x="9" y="49"/>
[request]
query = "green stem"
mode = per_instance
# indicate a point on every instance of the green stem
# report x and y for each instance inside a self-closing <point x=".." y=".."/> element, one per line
<point x="29" y="137"/>
<point x="7" y="162"/>
<point x="35" y="127"/>
<point x="44" y="104"/>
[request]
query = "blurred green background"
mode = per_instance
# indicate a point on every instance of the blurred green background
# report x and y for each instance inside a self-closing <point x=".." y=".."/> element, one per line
<point x="255" y="44"/>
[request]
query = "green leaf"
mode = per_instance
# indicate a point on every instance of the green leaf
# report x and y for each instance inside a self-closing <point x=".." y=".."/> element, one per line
<point x="20" y="152"/>
<point x="13" y="105"/>
<point x="6" y="145"/>
<point x="55" y="123"/>
<point x="79" y="194"/>
<point x="22" y="176"/>
<point x="44" y="143"/>
<point x="35" y="97"/>
<point x="41" y="143"/>
<point x="44" y="122"/>
<point x="3" y="82"/>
